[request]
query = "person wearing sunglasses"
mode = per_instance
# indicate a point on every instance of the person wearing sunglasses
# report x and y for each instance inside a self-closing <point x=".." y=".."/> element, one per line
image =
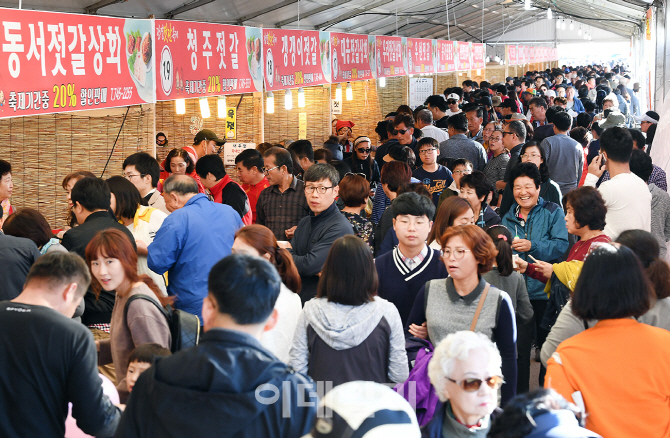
<point x="446" y="306"/>
<point x="361" y="161"/>
<point x="453" y="100"/>
<point x="465" y="372"/>
<point x="403" y="130"/>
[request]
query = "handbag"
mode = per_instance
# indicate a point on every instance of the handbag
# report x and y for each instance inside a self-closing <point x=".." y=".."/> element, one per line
<point x="417" y="389"/>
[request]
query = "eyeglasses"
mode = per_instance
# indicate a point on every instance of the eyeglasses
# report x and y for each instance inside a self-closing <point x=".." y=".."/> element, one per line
<point x="531" y="156"/>
<point x="320" y="190"/>
<point x="161" y="142"/>
<point x="399" y="131"/>
<point x="472" y="385"/>
<point x="426" y="151"/>
<point x="130" y="176"/>
<point x="266" y="170"/>
<point x="458" y="253"/>
<point x="364" y="150"/>
<point x="451" y="102"/>
<point x="354" y="174"/>
<point x="504" y="133"/>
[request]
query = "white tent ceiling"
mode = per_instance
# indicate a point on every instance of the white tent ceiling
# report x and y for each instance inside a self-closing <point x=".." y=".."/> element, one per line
<point x="465" y="20"/>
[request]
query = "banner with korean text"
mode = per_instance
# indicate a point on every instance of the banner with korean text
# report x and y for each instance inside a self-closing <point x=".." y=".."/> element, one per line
<point x="512" y="58"/>
<point x="421" y="55"/>
<point x="445" y="56"/>
<point x="462" y="55"/>
<point x="296" y="58"/>
<point x="203" y="59"/>
<point x="390" y="54"/>
<point x="478" y="55"/>
<point x="350" y="58"/>
<point x="53" y="62"/>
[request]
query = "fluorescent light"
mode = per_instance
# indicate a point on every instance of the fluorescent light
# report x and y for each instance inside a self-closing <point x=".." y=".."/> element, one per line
<point x="563" y="24"/>
<point x="180" y="106"/>
<point x="549" y="16"/>
<point x="270" y="103"/>
<point x="221" y="107"/>
<point x="301" y="98"/>
<point x="558" y="23"/>
<point x="338" y="92"/>
<point x="382" y="82"/>
<point x="288" y="100"/>
<point x="204" y="108"/>
<point x="350" y="92"/>
<point x="526" y="6"/>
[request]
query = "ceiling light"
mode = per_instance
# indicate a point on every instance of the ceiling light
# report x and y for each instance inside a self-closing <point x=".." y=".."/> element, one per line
<point x="204" y="108"/>
<point x="382" y="82"/>
<point x="301" y="98"/>
<point x="350" y="92"/>
<point x="180" y="106"/>
<point x="549" y="16"/>
<point x="526" y="5"/>
<point x="270" y="103"/>
<point x="563" y="24"/>
<point x="338" y="92"/>
<point x="288" y="99"/>
<point x="572" y="25"/>
<point x="221" y="109"/>
<point x="558" y="23"/>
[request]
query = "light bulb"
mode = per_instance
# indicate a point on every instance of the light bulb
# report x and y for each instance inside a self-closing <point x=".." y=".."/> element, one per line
<point x="270" y="103"/>
<point x="496" y="58"/>
<point x="572" y="25"/>
<point x="479" y="72"/>
<point x="301" y="98"/>
<point x="288" y="100"/>
<point x="502" y="62"/>
<point x="558" y="23"/>
<point x="338" y="92"/>
<point x="563" y="25"/>
<point x="382" y="82"/>
<point x="221" y="107"/>
<point x="180" y="106"/>
<point x="350" y="92"/>
<point x="488" y="59"/>
<point x="526" y="5"/>
<point x="549" y="15"/>
<point x="204" y="108"/>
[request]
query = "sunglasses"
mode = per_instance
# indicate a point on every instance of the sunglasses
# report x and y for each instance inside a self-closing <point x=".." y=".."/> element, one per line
<point x="355" y="174"/>
<point x="451" y="102"/>
<point x="399" y="131"/>
<point x="472" y="385"/>
<point x="364" y="150"/>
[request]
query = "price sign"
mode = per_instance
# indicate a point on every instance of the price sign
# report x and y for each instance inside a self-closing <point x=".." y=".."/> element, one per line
<point x="421" y="55"/>
<point x="391" y="56"/>
<point x="445" y="56"/>
<point x="232" y="150"/>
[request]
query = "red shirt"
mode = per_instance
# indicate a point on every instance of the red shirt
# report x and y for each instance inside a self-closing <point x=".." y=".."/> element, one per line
<point x="253" y="191"/>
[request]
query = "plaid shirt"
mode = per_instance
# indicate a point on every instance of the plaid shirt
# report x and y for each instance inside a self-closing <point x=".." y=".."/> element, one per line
<point x="280" y="211"/>
<point x="415" y="261"/>
<point x="657" y="177"/>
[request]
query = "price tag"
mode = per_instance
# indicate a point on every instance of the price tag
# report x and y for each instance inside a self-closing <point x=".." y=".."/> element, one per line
<point x="232" y="150"/>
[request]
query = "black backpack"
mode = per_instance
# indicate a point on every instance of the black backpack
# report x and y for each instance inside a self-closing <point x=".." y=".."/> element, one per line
<point x="184" y="326"/>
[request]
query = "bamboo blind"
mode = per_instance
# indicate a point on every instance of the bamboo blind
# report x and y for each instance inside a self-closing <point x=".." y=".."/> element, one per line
<point x="43" y="149"/>
<point x="445" y="80"/>
<point x="365" y="110"/>
<point x="284" y="124"/>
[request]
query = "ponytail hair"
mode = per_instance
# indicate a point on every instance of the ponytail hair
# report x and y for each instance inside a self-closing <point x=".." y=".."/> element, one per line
<point x="264" y="241"/>
<point x="502" y="239"/>
<point x="646" y="248"/>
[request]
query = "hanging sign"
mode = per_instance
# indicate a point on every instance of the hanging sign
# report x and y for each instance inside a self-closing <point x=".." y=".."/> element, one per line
<point x="445" y="56"/>
<point x="462" y="55"/>
<point x="232" y="150"/>
<point x="336" y="106"/>
<point x="52" y="62"/>
<point x="531" y="57"/>
<point x="231" y="123"/>
<point x="296" y="58"/>
<point x="350" y="57"/>
<point x="421" y="55"/>
<point x="390" y="55"/>
<point x="302" y="125"/>
<point x="512" y="58"/>
<point x="204" y="59"/>
<point x="478" y="56"/>
<point x="648" y="25"/>
<point x="419" y="90"/>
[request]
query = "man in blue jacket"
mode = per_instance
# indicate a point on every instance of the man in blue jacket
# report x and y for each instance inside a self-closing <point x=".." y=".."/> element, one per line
<point x="228" y="385"/>
<point x="191" y="240"/>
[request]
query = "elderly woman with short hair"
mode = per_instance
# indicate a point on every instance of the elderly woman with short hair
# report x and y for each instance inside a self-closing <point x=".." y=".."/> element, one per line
<point x="465" y="371"/>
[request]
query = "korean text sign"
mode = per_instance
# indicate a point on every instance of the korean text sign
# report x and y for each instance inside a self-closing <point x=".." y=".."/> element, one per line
<point x="296" y="58"/>
<point x="421" y="55"/>
<point x="446" y="51"/>
<point x="53" y="62"/>
<point x="463" y="55"/>
<point x="512" y="58"/>
<point x="204" y="59"/>
<point x="477" y="56"/>
<point x="350" y="57"/>
<point x="391" y="57"/>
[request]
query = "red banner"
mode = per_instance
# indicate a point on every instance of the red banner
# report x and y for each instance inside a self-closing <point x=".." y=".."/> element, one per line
<point x="391" y="56"/>
<point x="512" y="58"/>
<point x="421" y="55"/>
<point x="52" y="62"/>
<point x="463" y="56"/>
<point x="350" y="57"/>
<point x="478" y="56"/>
<point x="296" y="58"/>
<point x="203" y="59"/>
<point x="445" y="57"/>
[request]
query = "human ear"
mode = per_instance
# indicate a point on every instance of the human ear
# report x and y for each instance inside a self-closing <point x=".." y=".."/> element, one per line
<point x="272" y="321"/>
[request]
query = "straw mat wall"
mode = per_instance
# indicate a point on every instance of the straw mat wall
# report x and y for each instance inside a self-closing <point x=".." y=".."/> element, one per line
<point x="43" y="149"/>
<point x="284" y="124"/>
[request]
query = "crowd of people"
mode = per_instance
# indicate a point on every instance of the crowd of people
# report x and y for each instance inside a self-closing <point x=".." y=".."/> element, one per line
<point x="494" y="220"/>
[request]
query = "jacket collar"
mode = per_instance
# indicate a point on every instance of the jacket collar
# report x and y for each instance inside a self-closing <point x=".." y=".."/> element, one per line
<point x="325" y="213"/>
<point x="230" y="336"/>
<point x="98" y="215"/>
<point x="469" y="298"/>
<point x="218" y="187"/>
<point x="195" y="199"/>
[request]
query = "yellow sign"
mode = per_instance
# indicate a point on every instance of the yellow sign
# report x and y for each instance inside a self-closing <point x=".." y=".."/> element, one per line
<point x="648" y="22"/>
<point x="302" y="126"/>
<point x="231" y="124"/>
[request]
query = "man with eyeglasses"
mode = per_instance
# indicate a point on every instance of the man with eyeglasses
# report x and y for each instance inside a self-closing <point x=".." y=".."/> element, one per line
<point x="404" y="132"/>
<point x="434" y="177"/>
<point x="281" y="206"/>
<point x="514" y="136"/>
<point x="316" y="233"/>
<point x="143" y="171"/>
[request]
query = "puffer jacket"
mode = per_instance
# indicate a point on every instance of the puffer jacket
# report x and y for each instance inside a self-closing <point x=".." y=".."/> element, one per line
<point x="545" y="228"/>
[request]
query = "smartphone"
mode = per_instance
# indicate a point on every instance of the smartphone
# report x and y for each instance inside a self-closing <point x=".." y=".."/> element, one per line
<point x="534" y="259"/>
<point x="603" y="160"/>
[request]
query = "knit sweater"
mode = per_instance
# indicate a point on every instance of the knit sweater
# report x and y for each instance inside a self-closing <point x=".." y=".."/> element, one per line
<point x="660" y="218"/>
<point x="515" y="286"/>
<point x="399" y="285"/>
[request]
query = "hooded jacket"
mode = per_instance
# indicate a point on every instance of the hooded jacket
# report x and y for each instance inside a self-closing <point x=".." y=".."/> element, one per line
<point x="211" y="390"/>
<point x="366" y="342"/>
<point x="545" y="228"/>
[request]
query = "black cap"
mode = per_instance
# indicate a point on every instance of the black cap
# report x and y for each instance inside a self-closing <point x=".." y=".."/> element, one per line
<point x="208" y="134"/>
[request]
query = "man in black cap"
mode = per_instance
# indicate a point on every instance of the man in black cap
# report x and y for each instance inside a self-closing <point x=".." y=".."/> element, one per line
<point x="649" y="118"/>
<point x="204" y="143"/>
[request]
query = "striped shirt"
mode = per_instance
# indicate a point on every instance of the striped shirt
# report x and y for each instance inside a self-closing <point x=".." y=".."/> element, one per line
<point x="280" y="211"/>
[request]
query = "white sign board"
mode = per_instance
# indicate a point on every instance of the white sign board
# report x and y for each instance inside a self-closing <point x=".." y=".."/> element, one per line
<point x="419" y="90"/>
<point x="336" y="106"/>
<point x="232" y="150"/>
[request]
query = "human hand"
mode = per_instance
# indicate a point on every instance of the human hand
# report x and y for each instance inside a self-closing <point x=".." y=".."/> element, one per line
<point x="290" y="232"/>
<point x="521" y="245"/>
<point x="142" y="247"/>
<point x="595" y="166"/>
<point x="500" y="185"/>
<point x="521" y="265"/>
<point x="545" y="268"/>
<point x="420" y="331"/>
<point x="283" y="244"/>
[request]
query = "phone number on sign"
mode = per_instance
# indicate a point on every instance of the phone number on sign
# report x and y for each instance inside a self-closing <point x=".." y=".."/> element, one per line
<point x="121" y="93"/>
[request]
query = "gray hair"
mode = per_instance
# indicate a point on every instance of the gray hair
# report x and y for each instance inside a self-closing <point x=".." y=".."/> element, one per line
<point x="181" y="184"/>
<point x="317" y="172"/>
<point x="458" y="346"/>
<point x="425" y="116"/>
